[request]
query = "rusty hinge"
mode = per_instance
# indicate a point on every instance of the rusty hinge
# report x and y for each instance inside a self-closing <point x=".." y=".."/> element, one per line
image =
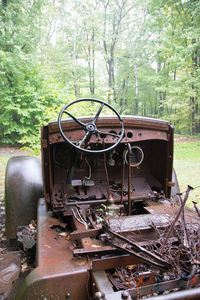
<point x="47" y="198"/>
<point x="171" y="183"/>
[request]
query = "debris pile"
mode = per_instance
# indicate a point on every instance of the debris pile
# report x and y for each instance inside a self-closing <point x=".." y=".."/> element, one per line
<point x="27" y="235"/>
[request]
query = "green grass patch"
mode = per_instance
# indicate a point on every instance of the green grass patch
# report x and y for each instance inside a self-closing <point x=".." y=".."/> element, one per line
<point x="187" y="166"/>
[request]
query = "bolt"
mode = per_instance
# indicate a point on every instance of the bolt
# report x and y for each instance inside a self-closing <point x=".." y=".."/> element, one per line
<point x="68" y="295"/>
<point x="125" y="295"/>
<point x="99" y="296"/>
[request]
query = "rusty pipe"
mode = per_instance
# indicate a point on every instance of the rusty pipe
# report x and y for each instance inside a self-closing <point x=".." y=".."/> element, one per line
<point x="110" y="197"/>
<point x="183" y="223"/>
<point x="129" y="178"/>
<point x="177" y="217"/>
<point x="123" y="175"/>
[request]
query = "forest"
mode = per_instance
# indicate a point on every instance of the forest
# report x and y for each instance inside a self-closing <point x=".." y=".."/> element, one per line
<point x="142" y="57"/>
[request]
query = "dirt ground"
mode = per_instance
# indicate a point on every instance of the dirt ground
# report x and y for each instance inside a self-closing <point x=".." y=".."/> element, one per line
<point x="12" y="151"/>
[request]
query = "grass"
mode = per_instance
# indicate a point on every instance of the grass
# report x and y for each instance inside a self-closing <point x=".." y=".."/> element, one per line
<point x="186" y="164"/>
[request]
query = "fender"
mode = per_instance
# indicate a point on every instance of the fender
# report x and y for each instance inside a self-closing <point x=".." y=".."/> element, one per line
<point x="23" y="187"/>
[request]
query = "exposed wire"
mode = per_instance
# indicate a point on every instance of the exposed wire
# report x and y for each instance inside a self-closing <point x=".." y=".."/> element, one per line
<point x="90" y="170"/>
<point x="79" y="218"/>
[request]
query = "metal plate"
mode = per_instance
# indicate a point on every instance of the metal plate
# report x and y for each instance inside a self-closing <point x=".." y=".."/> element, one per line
<point x="138" y="222"/>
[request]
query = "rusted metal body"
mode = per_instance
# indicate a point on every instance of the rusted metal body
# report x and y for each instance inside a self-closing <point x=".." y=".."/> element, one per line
<point x="77" y="256"/>
<point x="155" y="137"/>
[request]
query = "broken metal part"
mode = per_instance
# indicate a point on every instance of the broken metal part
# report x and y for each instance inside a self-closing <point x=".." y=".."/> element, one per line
<point x="183" y="223"/>
<point x="196" y="208"/>
<point x="27" y="235"/>
<point x="177" y="216"/>
<point x="136" y="250"/>
<point x="102" y="284"/>
<point x="117" y="284"/>
<point x="140" y="222"/>
<point x="93" y="249"/>
<point x="131" y="277"/>
<point x="192" y="273"/>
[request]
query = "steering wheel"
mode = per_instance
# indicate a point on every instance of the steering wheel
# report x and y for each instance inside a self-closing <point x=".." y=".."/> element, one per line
<point x="90" y="128"/>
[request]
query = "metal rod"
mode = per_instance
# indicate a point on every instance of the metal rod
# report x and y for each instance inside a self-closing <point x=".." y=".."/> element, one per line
<point x="137" y="250"/>
<point x="129" y="178"/>
<point x="177" y="216"/>
<point x="196" y="208"/>
<point x="110" y="197"/>
<point x="187" y="242"/>
<point x="123" y="174"/>
<point x="101" y="201"/>
<point x="191" y="274"/>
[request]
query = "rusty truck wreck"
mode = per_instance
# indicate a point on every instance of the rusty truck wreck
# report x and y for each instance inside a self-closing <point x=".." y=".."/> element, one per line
<point x="112" y="222"/>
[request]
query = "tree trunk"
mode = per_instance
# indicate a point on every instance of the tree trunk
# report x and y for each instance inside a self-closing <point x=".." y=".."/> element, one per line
<point x="74" y="72"/>
<point x="192" y="115"/>
<point x="5" y="3"/>
<point x="93" y="64"/>
<point x="122" y="96"/>
<point x="136" y="90"/>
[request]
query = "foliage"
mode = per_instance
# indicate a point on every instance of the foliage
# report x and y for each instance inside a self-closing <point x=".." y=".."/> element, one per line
<point x="24" y="96"/>
<point x="143" y="57"/>
<point x="3" y="163"/>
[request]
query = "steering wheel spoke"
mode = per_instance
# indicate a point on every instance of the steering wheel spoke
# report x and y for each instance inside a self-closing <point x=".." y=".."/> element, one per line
<point x="85" y="138"/>
<point x="98" y="113"/>
<point x="108" y="133"/>
<point x="74" y="118"/>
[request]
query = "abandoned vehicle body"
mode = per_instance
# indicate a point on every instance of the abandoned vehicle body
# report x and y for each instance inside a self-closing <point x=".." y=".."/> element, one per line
<point x="112" y="223"/>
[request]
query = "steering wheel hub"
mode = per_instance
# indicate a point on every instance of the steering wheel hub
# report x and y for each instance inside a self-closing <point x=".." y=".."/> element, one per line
<point x="91" y="128"/>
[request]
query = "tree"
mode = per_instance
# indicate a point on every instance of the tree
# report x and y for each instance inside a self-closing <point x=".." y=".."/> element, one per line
<point x="114" y="13"/>
<point x="22" y="95"/>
